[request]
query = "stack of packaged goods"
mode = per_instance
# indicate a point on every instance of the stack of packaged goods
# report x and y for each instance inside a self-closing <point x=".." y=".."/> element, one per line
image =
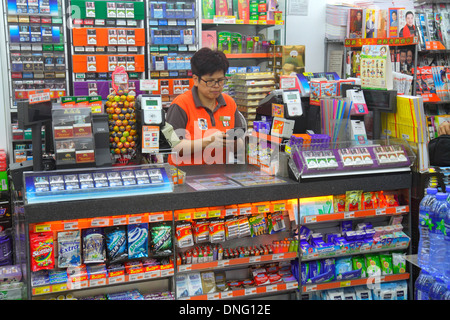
<point x="433" y="282"/>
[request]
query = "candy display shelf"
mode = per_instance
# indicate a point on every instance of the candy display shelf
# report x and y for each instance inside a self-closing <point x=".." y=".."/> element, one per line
<point x="354" y="214"/>
<point x="187" y="203"/>
<point x="354" y="282"/>
<point x="246" y="293"/>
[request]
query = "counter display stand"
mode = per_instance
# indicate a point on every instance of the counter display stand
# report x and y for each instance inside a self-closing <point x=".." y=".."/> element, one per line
<point x="253" y="264"/>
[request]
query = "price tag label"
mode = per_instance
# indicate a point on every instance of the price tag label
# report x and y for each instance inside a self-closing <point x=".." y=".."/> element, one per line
<point x="400" y="209"/>
<point x="118" y="279"/>
<point x="166" y="272"/>
<point x="97" y="282"/>
<point x="262" y="209"/>
<point x="291" y="285"/>
<point x="226" y="294"/>
<point x="223" y="263"/>
<point x="134" y="219"/>
<point x="38" y="96"/>
<point x="214" y="213"/>
<point x="156" y="217"/>
<point x="200" y="215"/>
<point x="279" y="207"/>
<point x="119" y="221"/>
<point x="99" y="222"/>
<point x="213" y="296"/>
<point x="272" y="288"/>
<point x="42" y="290"/>
<point x="380" y="212"/>
<point x="136" y="276"/>
<point x="345" y="284"/>
<point x="255" y="259"/>
<point x="310" y="219"/>
<point x="184" y="216"/>
<point x="250" y="291"/>
<point x="310" y="288"/>
<point x="153" y="274"/>
<point x="185" y="267"/>
<point x="231" y="212"/>
<point x="42" y="228"/>
<point x="349" y="215"/>
<point x="59" y="287"/>
<point x="72" y="225"/>
<point x="278" y="256"/>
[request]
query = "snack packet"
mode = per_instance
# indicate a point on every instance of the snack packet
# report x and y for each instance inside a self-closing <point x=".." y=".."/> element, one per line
<point x="116" y="243"/>
<point x="137" y="240"/>
<point x="69" y="249"/>
<point x="93" y="245"/>
<point x="42" y="251"/>
<point x="353" y="200"/>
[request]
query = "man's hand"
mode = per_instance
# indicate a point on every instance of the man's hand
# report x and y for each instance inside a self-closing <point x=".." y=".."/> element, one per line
<point x="444" y="128"/>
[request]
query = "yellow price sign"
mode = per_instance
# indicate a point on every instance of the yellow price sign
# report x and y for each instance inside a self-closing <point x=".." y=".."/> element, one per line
<point x="42" y="228"/>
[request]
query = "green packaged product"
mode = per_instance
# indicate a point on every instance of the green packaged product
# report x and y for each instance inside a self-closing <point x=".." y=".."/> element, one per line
<point x="209" y="9"/>
<point x="386" y="264"/>
<point x="398" y="262"/>
<point x="360" y="263"/>
<point x="373" y="265"/>
<point x="161" y="238"/>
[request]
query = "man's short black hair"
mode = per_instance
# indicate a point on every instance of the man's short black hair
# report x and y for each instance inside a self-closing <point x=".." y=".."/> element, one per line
<point x="409" y="12"/>
<point x="207" y="61"/>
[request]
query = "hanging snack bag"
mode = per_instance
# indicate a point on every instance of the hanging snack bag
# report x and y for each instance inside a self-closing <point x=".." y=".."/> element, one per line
<point x="353" y="200"/>
<point x="137" y="240"/>
<point x="161" y="238"/>
<point x="42" y="251"/>
<point x="183" y="234"/>
<point x="391" y="199"/>
<point x="339" y="202"/>
<point x="69" y="249"/>
<point x="94" y="245"/>
<point x="116" y="243"/>
<point x="369" y="200"/>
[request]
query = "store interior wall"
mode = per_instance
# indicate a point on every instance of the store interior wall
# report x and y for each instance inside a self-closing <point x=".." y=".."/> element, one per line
<point x="308" y="30"/>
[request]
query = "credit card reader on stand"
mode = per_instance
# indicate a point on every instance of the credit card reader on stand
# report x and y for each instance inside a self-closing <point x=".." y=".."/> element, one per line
<point x="157" y="135"/>
<point x="292" y="102"/>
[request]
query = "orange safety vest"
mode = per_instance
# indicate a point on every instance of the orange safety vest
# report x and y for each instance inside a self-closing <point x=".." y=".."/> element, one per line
<point x="201" y="124"/>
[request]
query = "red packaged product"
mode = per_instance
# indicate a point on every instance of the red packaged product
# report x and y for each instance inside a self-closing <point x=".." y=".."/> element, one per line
<point x="42" y="251"/>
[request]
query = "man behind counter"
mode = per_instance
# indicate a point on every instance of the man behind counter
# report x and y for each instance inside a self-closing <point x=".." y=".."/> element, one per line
<point x="203" y="116"/>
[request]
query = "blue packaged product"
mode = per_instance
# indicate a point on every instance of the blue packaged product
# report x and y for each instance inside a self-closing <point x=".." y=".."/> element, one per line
<point x="138" y="240"/>
<point x="94" y="245"/>
<point x="342" y="265"/>
<point x="69" y="249"/>
<point x="116" y="243"/>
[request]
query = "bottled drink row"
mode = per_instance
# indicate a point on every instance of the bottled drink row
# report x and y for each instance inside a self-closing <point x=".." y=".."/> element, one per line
<point x="433" y="282"/>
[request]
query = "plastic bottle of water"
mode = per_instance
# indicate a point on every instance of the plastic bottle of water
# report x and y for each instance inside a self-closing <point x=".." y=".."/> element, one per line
<point x="438" y="213"/>
<point x="427" y="283"/>
<point x="418" y="286"/>
<point x="423" y="252"/>
<point x="447" y="243"/>
<point x="437" y="290"/>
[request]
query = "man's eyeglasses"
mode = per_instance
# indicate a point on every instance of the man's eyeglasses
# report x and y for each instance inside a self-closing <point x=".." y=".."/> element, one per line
<point x="212" y="83"/>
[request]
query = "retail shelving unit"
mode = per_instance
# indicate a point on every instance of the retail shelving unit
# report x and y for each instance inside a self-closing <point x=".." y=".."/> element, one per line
<point x="184" y="203"/>
<point x="36" y="49"/>
<point x="102" y="39"/>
